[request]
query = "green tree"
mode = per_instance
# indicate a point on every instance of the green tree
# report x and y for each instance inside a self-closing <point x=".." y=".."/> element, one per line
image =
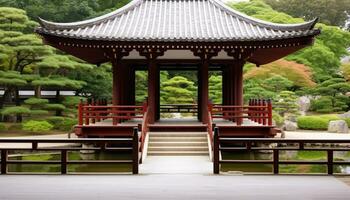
<point x="215" y="89"/>
<point x="331" y="12"/>
<point x="335" y="90"/>
<point x="178" y="90"/>
<point x="286" y="104"/>
<point x="277" y="83"/>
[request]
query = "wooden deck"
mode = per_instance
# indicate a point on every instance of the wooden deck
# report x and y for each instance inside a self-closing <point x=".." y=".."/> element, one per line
<point x="106" y="128"/>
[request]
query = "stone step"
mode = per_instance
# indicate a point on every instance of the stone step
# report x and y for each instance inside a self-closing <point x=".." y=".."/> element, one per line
<point x="178" y="148"/>
<point x="182" y="143"/>
<point x="177" y="134"/>
<point x="178" y="139"/>
<point x="177" y="128"/>
<point x="178" y="153"/>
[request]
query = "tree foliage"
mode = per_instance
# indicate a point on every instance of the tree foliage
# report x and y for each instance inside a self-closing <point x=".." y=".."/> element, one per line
<point x="331" y="12"/>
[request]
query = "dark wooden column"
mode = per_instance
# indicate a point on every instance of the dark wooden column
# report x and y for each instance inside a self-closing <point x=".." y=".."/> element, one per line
<point x="153" y="81"/>
<point x="238" y="83"/>
<point x="118" y="71"/>
<point x="204" y="90"/>
<point x="203" y="81"/>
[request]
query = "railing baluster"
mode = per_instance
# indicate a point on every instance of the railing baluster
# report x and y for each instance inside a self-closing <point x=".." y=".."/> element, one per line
<point x="216" y="153"/>
<point x="80" y="113"/>
<point x="269" y="110"/>
<point x="4" y="158"/>
<point x="87" y="114"/>
<point x="135" y="152"/>
<point x="330" y="161"/>
<point x="276" y="161"/>
<point x="64" y="158"/>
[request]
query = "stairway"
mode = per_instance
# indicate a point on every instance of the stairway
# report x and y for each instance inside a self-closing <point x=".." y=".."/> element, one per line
<point x="178" y="144"/>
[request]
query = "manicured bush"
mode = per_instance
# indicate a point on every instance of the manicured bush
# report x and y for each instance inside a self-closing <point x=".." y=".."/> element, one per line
<point x="322" y="105"/>
<point x="37" y="126"/>
<point x="3" y="127"/>
<point x="55" y="107"/>
<point x="62" y="123"/>
<point x="15" y="110"/>
<point x="277" y="118"/>
<point x="36" y="101"/>
<point x="72" y="102"/>
<point x="39" y="112"/>
<point x="315" y="122"/>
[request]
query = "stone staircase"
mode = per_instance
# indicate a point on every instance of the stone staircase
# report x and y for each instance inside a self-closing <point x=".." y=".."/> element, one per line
<point x="178" y="144"/>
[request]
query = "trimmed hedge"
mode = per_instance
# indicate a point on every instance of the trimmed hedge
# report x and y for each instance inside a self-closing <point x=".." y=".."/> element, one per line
<point x="15" y="110"/>
<point x="36" y="101"/>
<point x="62" y="123"/>
<point x="37" y="126"/>
<point x="315" y="122"/>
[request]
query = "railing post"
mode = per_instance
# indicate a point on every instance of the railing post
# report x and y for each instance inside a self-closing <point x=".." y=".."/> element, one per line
<point x="264" y="115"/>
<point x="87" y="114"/>
<point x="98" y="110"/>
<point x="80" y="113"/>
<point x="93" y="103"/>
<point x="254" y="109"/>
<point x="249" y="109"/>
<point x="269" y="110"/>
<point x="4" y="158"/>
<point x="276" y="161"/>
<point x="64" y="158"/>
<point x="216" y="153"/>
<point x="135" y="152"/>
<point x="330" y="162"/>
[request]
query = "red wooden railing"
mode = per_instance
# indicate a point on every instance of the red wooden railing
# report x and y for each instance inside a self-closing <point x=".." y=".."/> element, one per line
<point x="210" y="125"/>
<point x="90" y="113"/>
<point x="144" y="129"/>
<point x="259" y="111"/>
<point x="96" y="111"/>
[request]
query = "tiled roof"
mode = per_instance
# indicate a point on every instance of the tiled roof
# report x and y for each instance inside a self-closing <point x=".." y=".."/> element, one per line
<point x="177" y="20"/>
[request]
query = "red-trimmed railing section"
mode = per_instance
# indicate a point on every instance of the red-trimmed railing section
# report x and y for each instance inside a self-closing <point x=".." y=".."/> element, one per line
<point x="90" y="112"/>
<point x="258" y="110"/>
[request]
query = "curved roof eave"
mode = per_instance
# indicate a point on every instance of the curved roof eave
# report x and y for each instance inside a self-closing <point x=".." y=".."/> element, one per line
<point x="283" y="27"/>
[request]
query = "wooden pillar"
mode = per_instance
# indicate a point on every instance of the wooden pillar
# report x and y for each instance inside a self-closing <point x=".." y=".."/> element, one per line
<point x="116" y="82"/>
<point x="152" y="89"/>
<point x="199" y="93"/>
<point x="238" y="69"/>
<point x="204" y="98"/>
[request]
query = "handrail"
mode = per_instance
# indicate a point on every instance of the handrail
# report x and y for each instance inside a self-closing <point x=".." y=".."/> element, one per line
<point x="179" y="108"/>
<point x="210" y="126"/>
<point x="92" y="112"/>
<point x="101" y="145"/>
<point x="259" y="111"/>
<point x="144" y="130"/>
<point x="278" y="145"/>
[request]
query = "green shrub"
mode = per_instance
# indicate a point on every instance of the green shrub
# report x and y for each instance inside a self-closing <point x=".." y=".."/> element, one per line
<point x="72" y="102"/>
<point x="62" y="123"/>
<point x="55" y="107"/>
<point x="3" y="127"/>
<point x="36" y="101"/>
<point x="277" y="118"/>
<point x="37" y="126"/>
<point x="315" y="122"/>
<point x="322" y="105"/>
<point x="39" y="112"/>
<point x="15" y="110"/>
